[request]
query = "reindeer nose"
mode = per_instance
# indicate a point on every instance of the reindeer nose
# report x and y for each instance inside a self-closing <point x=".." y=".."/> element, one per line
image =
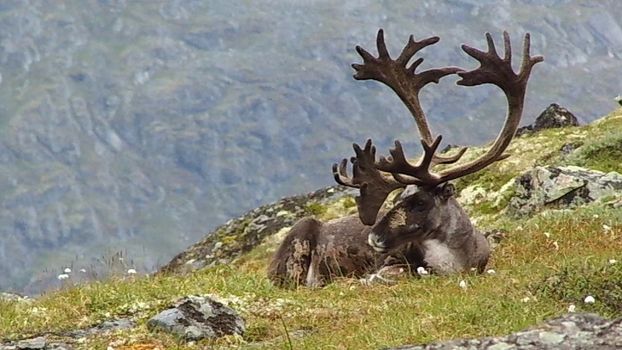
<point x="374" y="241"/>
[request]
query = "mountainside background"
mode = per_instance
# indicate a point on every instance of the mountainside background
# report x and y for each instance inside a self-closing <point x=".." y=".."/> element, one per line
<point x="138" y="126"/>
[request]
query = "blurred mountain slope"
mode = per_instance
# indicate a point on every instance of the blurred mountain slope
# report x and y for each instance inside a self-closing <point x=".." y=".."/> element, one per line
<point x="141" y="125"/>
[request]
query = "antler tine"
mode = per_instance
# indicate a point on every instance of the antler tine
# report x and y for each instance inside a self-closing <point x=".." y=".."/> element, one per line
<point x="400" y="77"/>
<point x="528" y="61"/>
<point x="374" y="187"/>
<point x="449" y="159"/>
<point x="340" y="173"/>
<point x="498" y="71"/>
<point x="406" y="173"/>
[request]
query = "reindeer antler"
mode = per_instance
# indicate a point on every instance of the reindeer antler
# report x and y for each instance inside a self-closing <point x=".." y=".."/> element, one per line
<point x="403" y="79"/>
<point x="406" y="83"/>
<point x="374" y="187"/>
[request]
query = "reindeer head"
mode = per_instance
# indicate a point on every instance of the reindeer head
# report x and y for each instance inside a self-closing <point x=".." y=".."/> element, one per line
<point x="418" y="215"/>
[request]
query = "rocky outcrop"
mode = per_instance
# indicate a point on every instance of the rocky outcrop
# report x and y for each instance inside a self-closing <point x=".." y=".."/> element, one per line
<point x="67" y="340"/>
<point x="553" y="116"/>
<point x="562" y="187"/>
<point x="572" y="331"/>
<point x="196" y="318"/>
<point x="239" y="236"/>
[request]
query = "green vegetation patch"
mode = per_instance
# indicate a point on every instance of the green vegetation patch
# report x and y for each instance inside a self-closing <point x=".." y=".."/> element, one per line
<point x="576" y="282"/>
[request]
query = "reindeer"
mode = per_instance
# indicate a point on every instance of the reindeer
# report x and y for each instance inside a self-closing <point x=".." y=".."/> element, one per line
<point x="427" y="228"/>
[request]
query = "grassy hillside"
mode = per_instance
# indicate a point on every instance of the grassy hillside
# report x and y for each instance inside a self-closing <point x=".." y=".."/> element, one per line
<point x="543" y="265"/>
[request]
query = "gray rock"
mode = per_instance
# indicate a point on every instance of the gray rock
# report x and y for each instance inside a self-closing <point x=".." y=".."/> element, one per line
<point x="572" y="331"/>
<point x="562" y="187"/>
<point x="553" y="116"/>
<point x="34" y="343"/>
<point x="11" y="297"/>
<point x="197" y="317"/>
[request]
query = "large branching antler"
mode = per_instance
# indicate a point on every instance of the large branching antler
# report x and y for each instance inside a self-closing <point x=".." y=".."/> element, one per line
<point x="374" y="187"/>
<point x="406" y="83"/>
<point x="402" y="78"/>
<point x="493" y="70"/>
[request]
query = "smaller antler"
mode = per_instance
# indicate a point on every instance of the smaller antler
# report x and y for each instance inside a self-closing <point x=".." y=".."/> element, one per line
<point x="373" y="186"/>
<point x="403" y="171"/>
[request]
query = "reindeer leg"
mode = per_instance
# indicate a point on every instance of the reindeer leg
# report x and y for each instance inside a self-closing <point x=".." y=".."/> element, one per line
<point x="296" y="261"/>
<point x="314" y="279"/>
<point x="382" y="275"/>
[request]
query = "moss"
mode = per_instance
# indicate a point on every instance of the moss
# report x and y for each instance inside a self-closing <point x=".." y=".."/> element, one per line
<point x="315" y="208"/>
<point x="488" y="179"/>
<point x="348" y="202"/>
<point x="605" y="154"/>
<point x="573" y="282"/>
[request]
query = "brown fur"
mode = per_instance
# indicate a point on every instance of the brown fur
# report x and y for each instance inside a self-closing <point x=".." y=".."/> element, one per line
<point x="314" y="253"/>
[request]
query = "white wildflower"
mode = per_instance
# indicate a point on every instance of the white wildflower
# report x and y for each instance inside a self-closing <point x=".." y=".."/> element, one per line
<point x="67" y="270"/>
<point x="131" y="271"/>
<point x="463" y="284"/>
<point x="62" y="276"/>
<point x="547" y="234"/>
<point x="606" y="228"/>
<point x="422" y="271"/>
<point x="491" y="271"/>
<point x="556" y="245"/>
<point x="595" y="216"/>
<point x="612" y="261"/>
<point x="571" y="308"/>
<point x="589" y="299"/>
<point x="525" y="299"/>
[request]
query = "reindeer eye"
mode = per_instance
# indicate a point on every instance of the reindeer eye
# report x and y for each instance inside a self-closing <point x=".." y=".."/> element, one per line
<point x="417" y="206"/>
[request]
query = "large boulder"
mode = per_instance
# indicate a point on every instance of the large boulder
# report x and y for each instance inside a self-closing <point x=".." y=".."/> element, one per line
<point x="572" y="331"/>
<point x="198" y="317"/>
<point x="562" y="187"/>
<point x="553" y="116"/>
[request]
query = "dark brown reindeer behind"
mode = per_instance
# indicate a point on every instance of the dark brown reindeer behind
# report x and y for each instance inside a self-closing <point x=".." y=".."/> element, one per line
<point x="427" y="228"/>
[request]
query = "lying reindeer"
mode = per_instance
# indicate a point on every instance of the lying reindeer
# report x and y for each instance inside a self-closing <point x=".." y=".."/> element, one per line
<point x="427" y="228"/>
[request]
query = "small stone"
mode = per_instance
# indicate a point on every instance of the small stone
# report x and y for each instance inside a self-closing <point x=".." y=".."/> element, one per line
<point x="197" y="317"/>
<point x="501" y="346"/>
<point x="34" y="343"/>
<point x="589" y="300"/>
<point x="422" y="271"/>
<point x="550" y="338"/>
<point x="67" y="270"/>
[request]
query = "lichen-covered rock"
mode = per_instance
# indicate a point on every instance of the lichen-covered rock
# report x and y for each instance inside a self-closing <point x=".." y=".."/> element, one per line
<point x="560" y="187"/>
<point x="38" y="343"/>
<point x="197" y="317"/>
<point x="572" y="331"/>
<point x="240" y="235"/>
<point x="553" y="116"/>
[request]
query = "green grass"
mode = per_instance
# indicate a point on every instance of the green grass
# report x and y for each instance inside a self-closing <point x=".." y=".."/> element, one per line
<point x="545" y="264"/>
<point x="346" y="314"/>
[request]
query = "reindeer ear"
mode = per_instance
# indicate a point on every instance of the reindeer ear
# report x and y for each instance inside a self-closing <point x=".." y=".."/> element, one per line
<point x="447" y="190"/>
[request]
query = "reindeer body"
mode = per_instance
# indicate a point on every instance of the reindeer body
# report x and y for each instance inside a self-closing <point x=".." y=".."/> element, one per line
<point x="427" y="227"/>
<point x="313" y="253"/>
